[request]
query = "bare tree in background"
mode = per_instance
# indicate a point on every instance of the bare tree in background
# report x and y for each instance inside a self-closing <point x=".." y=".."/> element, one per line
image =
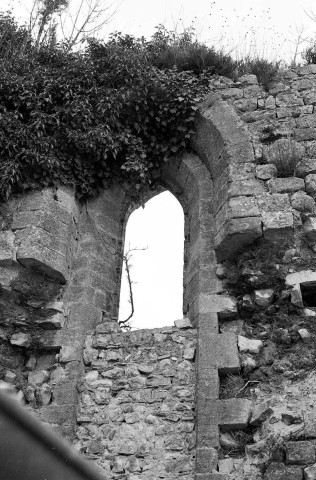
<point x="71" y="21"/>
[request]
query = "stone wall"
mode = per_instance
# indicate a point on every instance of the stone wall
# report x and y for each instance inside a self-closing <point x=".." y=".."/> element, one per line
<point x="137" y="403"/>
<point x="146" y="404"/>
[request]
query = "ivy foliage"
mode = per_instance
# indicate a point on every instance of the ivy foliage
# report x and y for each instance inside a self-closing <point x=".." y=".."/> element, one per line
<point x="84" y="118"/>
<point x="113" y="110"/>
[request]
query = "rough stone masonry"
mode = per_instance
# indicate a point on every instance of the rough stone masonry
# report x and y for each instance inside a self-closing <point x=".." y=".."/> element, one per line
<point x="229" y="392"/>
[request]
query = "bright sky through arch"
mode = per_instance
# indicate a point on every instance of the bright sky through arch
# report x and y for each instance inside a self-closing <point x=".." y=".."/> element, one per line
<point x="158" y="270"/>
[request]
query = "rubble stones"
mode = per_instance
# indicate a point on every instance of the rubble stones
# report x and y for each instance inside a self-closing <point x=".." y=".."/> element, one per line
<point x="38" y="377"/>
<point x="20" y="340"/>
<point x="264" y="298"/>
<point x="248" y="345"/>
<point x="260" y="413"/>
<point x="300" y="453"/>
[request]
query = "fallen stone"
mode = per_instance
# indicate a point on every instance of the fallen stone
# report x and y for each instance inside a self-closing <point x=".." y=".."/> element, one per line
<point x="299" y="453"/>
<point x="38" y="377"/>
<point x="304" y="334"/>
<point x="309" y="313"/>
<point x="20" y="340"/>
<point x="264" y="298"/>
<point x="31" y="363"/>
<point x="248" y="302"/>
<point x="302" y="202"/>
<point x="310" y="472"/>
<point x="309" y="227"/>
<point x="249" y="345"/>
<point x="265" y="172"/>
<point x="225" y="306"/>
<point x="183" y="323"/>
<point x="260" y="413"/>
<point x="248" y="363"/>
<point x="286" y="185"/>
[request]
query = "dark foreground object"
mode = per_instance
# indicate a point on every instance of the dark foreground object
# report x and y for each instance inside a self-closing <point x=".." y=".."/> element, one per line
<point x="29" y="451"/>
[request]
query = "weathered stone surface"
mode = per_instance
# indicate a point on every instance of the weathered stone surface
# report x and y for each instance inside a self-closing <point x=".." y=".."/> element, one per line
<point x="225" y="306"/>
<point x="183" y="323"/>
<point x="310" y="472"/>
<point x="44" y="394"/>
<point x="302" y="202"/>
<point x="248" y="363"/>
<point x="7" y="248"/>
<point x="303" y="277"/>
<point x="300" y="453"/>
<point x="234" y="413"/>
<point x="265" y="172"/>
<point x="304" y="334"/>
<point x="278" y="471"/>
<point x="248" y="79"/>
<point x="57" y="321"/>
<point x="286" y="185"/>
<point x="276" y="202"/>
<point x="309" y="227"/>
<point x="38" y="377"/>
<point x="249" y="345"/>
<point x="264" y="298"/>
<point x="260" y="413"/>
<point x="277" y="224"/>
<point x="21" y="340"/>
<point x="296" y="296"/>
<point x="306" y="167"/>
<point x="310" y="184"/>
<point x="236" y="234"/>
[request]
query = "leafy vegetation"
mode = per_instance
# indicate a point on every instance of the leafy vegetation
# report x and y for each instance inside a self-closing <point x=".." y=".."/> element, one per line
<point x="117" y="109"/>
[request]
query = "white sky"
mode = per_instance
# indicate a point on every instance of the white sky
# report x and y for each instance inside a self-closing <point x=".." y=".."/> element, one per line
<point x="267" y="28"/>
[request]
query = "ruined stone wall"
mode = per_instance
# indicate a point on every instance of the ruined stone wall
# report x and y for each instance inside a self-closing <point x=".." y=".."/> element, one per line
<point x="231" y="395"/>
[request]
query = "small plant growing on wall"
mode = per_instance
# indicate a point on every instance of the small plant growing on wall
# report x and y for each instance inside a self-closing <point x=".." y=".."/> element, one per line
<point x="286" y="154"/>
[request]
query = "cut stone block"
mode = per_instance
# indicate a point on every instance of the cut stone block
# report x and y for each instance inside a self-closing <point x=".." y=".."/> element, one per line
<point x="219" y="352"/>
<point x="275" y="202"/>
<point x="245" y="187"/>
<point x="234" y="413"/>
<point x="303" y="277"/>
<point x="206" y="460"/>
<point x="225" y="306"/>
<point x="278" y="471"/>
<point x="236" y="234"/>
<point x="286" y="185"/>
<point x="277" y="224"/>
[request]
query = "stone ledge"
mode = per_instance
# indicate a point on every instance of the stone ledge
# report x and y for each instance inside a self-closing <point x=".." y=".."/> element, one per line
<point x="236" y="234"/>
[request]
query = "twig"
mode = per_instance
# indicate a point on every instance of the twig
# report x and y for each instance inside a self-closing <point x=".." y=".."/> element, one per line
<point x="245" y="386"/>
